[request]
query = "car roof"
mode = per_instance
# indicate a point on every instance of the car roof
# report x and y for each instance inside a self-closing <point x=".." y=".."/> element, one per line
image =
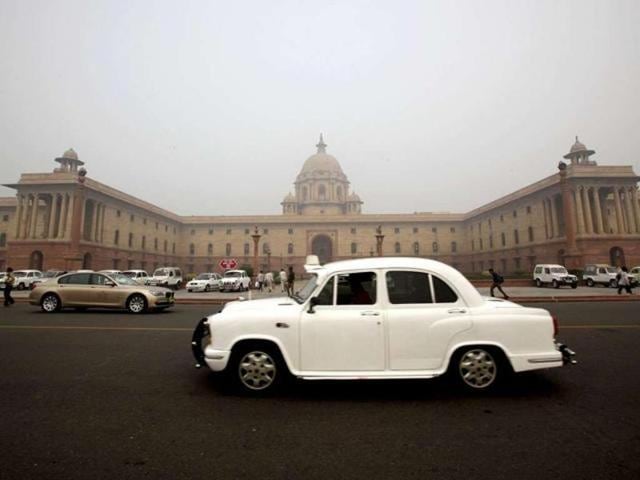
<point x="236" y="270"/>
<point x="550" y="265"/>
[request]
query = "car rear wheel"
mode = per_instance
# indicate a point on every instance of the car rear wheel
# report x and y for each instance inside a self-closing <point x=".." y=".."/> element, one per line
<point x="136" y="303"/>
<point x="207" y="288"/>
<point x="20" y="286"/>
<point x="50" y="303"/>
<point x="538" y="283"/>
<point x="590" y="282"/>
<point x="478" y="368"/>
<point x="574" y="285"/>
<point x="256" y="369"/>
<point x="613" y="283"/>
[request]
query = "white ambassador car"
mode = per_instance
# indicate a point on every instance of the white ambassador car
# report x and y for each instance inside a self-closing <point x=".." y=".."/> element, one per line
<point x="205" y="282"/>
<point x="235" y="281"/>
<point x="377" y="318"/>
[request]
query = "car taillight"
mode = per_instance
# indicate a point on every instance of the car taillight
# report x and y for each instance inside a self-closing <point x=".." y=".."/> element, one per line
<point x="555" y="325"/>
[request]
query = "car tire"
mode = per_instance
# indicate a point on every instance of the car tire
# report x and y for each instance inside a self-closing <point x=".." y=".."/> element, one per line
<point x="574" y="285"/>
<point x="478" y="368"/>
<point x="189" y="290"/>
<point x="555" y="284"/>
<point x="538" y="283"/>
<point x="207" y="288"/>
<point x="20" y="286"/>
<point x="590" y="282"/>
<point x="136" y="303"/>
<point x="50" y="303"/>
<point x="613" y="283"/>
<point x="256" y="369"/>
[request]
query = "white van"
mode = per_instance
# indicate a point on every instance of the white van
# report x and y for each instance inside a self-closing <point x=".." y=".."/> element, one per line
<point x="170" y="277"/>
<point x="602" y="274"/>
<point x="554" y="275"/>
<point x="140" y="276"/>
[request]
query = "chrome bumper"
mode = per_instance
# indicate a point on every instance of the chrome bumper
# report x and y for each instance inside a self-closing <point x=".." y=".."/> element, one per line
<point x="567" y="354"/>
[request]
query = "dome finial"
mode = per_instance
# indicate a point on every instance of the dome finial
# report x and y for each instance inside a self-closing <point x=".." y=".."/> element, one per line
<point x="321" y="145"/>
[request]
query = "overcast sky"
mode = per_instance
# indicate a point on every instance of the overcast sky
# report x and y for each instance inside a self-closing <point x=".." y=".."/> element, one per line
<point x="212" y="107"/>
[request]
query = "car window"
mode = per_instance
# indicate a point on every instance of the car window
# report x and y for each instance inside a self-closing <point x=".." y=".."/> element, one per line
<point x="325" y="297"/>
<point x="443" y="292"/>
<point x="408" y="287"/>
<point x="97" y="279"/>
<point x="76" y="279"/>
<point x="547" y="271"/>
<point x="356" y="288"/>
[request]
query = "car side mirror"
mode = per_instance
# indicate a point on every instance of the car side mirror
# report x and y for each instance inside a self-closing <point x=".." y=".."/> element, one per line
<point x="313" y="301"/>
<point x="109" y="284"/>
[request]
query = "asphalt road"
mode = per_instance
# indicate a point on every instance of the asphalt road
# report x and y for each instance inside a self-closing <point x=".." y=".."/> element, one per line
<point x="110" y="395"/>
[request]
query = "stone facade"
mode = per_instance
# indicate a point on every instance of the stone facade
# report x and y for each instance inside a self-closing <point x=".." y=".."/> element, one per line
<point x="584" y="213"/>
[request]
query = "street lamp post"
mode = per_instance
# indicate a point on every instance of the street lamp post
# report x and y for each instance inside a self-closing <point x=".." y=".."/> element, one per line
<point x="379" y="240"/>
<point x="256" y="240"/>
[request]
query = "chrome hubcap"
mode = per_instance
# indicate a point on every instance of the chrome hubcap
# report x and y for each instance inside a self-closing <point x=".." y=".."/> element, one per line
<point x="50" y="303"/>
<point x="136" y="304"/>
<point x="477" y="368"/>
<point x="257" y="370"/>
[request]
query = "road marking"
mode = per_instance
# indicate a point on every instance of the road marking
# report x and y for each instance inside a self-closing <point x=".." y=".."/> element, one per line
<point x="63" y="327"/>
<point x="598" y="326"/>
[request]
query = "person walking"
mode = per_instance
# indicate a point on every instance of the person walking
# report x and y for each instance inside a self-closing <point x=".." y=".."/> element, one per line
<point x="9" y="280"/>
<point x="291" y="278"/>
<point x="624" y="282"/>
<point x="283" y="280"/>
<point x="260" y="280"/>
<point x="497" y="281"/>
<point x="268" y="281"/>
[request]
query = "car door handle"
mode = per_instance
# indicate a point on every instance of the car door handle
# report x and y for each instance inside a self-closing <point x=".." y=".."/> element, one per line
<point x="456" y="310"/>
<point x="282" y="325"/>
<point x="370" y="313"/>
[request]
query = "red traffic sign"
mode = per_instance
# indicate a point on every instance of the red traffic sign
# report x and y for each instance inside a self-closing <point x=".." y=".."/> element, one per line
<point x="228" y="263"/>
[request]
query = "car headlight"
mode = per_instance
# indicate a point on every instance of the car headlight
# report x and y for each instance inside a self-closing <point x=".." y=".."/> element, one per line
<point x="157" y="293"/>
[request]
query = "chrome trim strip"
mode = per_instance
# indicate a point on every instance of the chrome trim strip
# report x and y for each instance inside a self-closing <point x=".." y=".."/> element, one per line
<point x="544" y="360"/>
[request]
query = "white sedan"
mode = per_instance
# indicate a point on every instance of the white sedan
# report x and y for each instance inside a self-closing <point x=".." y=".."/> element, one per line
<point x="377" y="318"/>
<point x="205" y="282"/>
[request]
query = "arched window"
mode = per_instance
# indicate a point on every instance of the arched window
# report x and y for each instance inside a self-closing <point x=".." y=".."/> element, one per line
<point x="530" y="234"/>
<point x="165" y="246"/>
<point x="322" y="192"/>
<point x="144" y="242"/>
<point x="265" y="248"/>
<point x="3" y="239"/>
<point x="228" y="249"/>
<point x="454" y="247"/>
<point x="290" y="249"/>
<point x="434" y="247"/>
<point x="155" y="243"/>
<point x="354" y="248"/>
<point x="116" y="237"/>
<point x="246" y="249"/>
<point x="131" y="240"/>
<point x="192" y="249"/>
<point x="396" y="247"/>
<point x="416" y="248"/>
<point x="210" y="249"/>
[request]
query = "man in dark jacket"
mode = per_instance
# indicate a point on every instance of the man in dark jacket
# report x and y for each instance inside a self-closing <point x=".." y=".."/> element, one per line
<point x="497" y="282"/>
<point x="9" y="280"/>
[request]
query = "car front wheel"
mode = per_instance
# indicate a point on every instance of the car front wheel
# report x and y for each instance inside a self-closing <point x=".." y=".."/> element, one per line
<point x="50" y="303"/>
<point x="589" y="282"/>
<point x="555" y="284"/>
<point x="538" y="283"/>
<point x="256" y="370"/>
<point x="136" y="303"/>
<point x="477" y="368"/>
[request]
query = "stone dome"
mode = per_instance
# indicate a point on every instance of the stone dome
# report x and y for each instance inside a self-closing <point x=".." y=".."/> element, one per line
<point x="578" y="147"/>
<point x="70" y="154"/>
<point x="289" y="198"/>
<point x="321" y="162"/>
<point x="354" y="197"/>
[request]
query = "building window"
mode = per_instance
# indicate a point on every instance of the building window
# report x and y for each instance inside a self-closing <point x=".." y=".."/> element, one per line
<point x="454" y="247"/>
<point x="415" y="229"/>
<point x="210" y="249"/>
<point x="290" y="249"/>
<point x="265" y="248"/>
<point x="265" y="231"/>
<point x="503" y="239"/>
<point x="228" y="231"/>
<point x="416" y="248"/>
<point x="173" y="248"/>
<point x="515" y="213"/>
<point x="5" y="218"/>
<point x="192" y="249"/>
<point x="528" y="209"/>
<point x="3" y="239"/>
<point x="116" y="237"/>
<point x="396" y="247"/>
<point x="290" y="231"/>
<point x="434" y="247"/>
<point x="227" y="249"/>
<point x="516" y="264"/>
<point x="118" y="213"/>
<point x="246" y="249"/>
<point x="490" y="241"/>
<point x="144" y="242"/>
<point x="452" y="229"/>
<point x="131" y="240"/>
<point x="516" y="237"/>
<point x="481" y="246"/>
<point x="156" y="225"/>
<point x="353" y="231"/>
<point x="165" y="246"/>
<point x="530" y="229"/>
<point x="396" y="230"/>
<point x="166" y="229"/>
<point x="489" y="222"/>
<point x="354" y="248"/>
<point x="473" y="244"/>
<point x="155" y="243"/>
<point x="503" y="262"/>
<point x="501" y="218"/>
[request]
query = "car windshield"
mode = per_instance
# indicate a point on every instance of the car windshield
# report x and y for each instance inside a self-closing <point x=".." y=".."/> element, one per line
<point x="611" y="270"/>
<point x="232" y="274"/>
<point x="559" y="270"/>
<point x="161" y="272"/>
<point x="49" y="274"/>
<point x="129" y="274"/>
<point x="301" y="295"/>
<point x="203" y="276"/>
<point x="19" y="274"/>
<point x="122" y="279"/>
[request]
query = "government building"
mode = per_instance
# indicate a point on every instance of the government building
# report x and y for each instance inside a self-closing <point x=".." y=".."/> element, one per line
<point x="581" y="213"/>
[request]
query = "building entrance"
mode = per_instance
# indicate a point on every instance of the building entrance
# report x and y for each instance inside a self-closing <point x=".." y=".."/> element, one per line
<point x="322" y="247"/>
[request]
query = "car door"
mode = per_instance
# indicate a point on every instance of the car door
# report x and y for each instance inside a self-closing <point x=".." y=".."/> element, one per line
<point x="423" y="314"/>
<point x="104" y="293"/>
<point x="345" y="331"/>
<point x="75" y="289"/>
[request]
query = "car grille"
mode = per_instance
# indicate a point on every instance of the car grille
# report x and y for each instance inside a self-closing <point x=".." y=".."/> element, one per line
<point x="169" y="295"/>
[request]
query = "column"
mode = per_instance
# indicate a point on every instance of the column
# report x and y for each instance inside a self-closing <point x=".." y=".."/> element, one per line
<point x="19" y="215"/>
<point x="598" y="207"/>
<point x="631" y="221"/>
<point x="636" y="207"/>
<point x="554" y="217"/>
<point x="94" y="222"/>
<point x="619" y="221"/>
<point x="26" y="219"/>
<point x="52" y="215"/>
<point x="34" y="216"/>
<point x="104" y="212"/>
<point x="587" y="210"/>
<point x="580" y="212"/>
<point x="546" y="219"/>
<point x="68" y="218"/>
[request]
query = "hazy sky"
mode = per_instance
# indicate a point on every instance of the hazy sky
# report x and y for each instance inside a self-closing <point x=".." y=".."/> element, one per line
<point x="212" y="107"/>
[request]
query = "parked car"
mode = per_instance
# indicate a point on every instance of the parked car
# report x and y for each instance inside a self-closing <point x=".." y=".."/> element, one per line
<point x="46" y="276"/>
<point x="205" y="282"/>
<point x="170" y="277"/>
<point x="86" y="290"/>
<point x="139" y="276"/>
<point x="554" y="275"/>
<point x="24" y="278"/>
<point x="235" y="280"/>
<point x="600" y="274"/>
<point x="110" y="272"/>
<point x="635" y="273"/>
<point x="377" y="318"/>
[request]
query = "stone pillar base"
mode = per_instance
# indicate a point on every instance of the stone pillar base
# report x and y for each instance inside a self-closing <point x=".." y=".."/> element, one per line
<point x="573" y="260"/>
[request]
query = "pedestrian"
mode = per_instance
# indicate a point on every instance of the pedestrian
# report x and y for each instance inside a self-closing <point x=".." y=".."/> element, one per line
<point x="497" y="281"/>
<point x="283" y="280"/>
<point x="268" y="281"/>
<point x="291" y="278"/>
<point x="260" y="280"/>
<point x="624" y="282"/>
<point x="9" y="280"/>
